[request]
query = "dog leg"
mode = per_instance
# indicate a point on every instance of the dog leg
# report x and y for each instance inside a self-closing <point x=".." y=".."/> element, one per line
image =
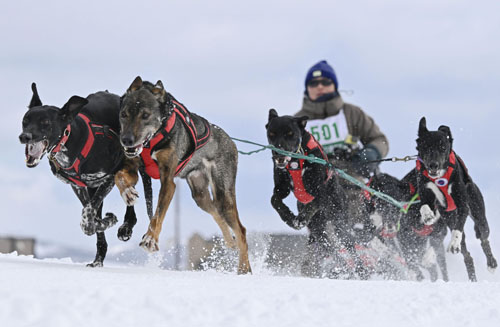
<point x="428" y="217"/>
<point x="456" y="241"/>
<point x="102" y="249"/>
<point x="87" y="222"/>
<point x="97" y="196"/>
<point x="198" y="183"/>
<point x="490" y="259"/>
<point x="227" y="208"/>
<point x="125" y="230"/>
<point x="469" y="262"/>
<point x="437" y="244"/>
<point x="126" y="179"/>
<point x="167" y="161"/>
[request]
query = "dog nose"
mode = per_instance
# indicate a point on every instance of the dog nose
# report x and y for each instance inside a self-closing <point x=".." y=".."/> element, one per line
<point x="433" y="165"/>
<point x="25" y="137"/>
<point x="127" y="140"/>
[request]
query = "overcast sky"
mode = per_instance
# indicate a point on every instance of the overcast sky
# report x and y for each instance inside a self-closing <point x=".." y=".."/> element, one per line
<point x="232" y="61"/>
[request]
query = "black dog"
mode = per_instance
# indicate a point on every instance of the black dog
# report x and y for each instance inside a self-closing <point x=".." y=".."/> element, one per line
<point x="84" y="150"/>
<point x="420" y="245"/>
<point x="320" y="199"/>
<point x="447" y="192"/>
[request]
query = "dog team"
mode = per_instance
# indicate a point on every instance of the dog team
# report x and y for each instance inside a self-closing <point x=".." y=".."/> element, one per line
<point x="96" y="142"/>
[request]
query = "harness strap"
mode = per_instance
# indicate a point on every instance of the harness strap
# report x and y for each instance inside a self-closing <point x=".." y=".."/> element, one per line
<point x="72" y="173"/>
<point x="424" y="231"/>
<point x="151" y="166"/>
<point x="296" y="172"/>
<point x="442" y="182"/>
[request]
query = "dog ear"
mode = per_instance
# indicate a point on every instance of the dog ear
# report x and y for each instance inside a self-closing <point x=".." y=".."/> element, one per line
<point x="158" y="90"/>
<point x="35" y="99"/>
<point x="422" y="127"/>
<point x="445" y="129"/>
<point x="302" y="121"/>
<point x="72" y="108"/>
<point x="136" y="84"/>
<point x="272" y="114"/>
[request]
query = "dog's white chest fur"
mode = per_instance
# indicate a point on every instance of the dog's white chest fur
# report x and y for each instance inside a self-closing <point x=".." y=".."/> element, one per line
<point x="437" y="192"/>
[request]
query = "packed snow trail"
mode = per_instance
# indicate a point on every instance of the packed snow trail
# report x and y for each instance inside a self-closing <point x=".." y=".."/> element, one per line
<point x="58" y="292"/>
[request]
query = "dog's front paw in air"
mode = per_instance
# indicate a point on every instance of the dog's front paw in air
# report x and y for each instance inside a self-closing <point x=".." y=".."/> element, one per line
<point x="88" y="222"/>
<point x="125" y="232"/>
<point x="130" y="195"/>
<point x="428" y="216"/>
<point x="456" y="240"/>
<point x="149" y="243"/>
<point x="108" y="221"/>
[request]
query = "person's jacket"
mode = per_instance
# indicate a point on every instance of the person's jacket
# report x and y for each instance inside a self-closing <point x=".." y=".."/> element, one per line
<point x="358" y="122"/>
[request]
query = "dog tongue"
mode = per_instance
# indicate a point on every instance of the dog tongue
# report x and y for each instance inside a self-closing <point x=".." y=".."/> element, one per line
<point x="34" y="151"/>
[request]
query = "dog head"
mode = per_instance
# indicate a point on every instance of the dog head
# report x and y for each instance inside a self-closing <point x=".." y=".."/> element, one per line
<point x="141" y="114"/>
<point x="284" y="133"/>
<point x="434" y="148"/>
<point x="43" y="126"/>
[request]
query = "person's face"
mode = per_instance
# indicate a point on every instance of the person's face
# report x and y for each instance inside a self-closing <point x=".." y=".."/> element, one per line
<point x="319" y="86"/>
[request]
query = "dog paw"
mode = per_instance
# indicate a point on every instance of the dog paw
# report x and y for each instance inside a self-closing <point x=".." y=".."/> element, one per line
<point x="456" y="239"/>
<point x="125" y="232"/>
<point x="130" y="195"/>
<point x="108" y="221"/>
<point x="95" y="264"/>
<point x="428" y="217"/>
<point x="88" y="222"/>
<point x="149" y="243"/>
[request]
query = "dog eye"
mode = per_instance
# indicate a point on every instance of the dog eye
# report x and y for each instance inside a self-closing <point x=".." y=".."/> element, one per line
<point x="25" y="121"/>
<point x="45" y="122"/>
<point x="290" y="133"/>
<point x="145" y="115"/>
<point x="271" y="134"/>
<point x="123" y="114"/>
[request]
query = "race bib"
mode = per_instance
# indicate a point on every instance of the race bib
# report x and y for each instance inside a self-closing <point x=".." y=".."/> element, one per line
<point x="330" y="132"/>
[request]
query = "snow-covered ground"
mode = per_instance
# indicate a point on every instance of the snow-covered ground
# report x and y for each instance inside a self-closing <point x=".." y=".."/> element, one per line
<point x="59" y="292"/>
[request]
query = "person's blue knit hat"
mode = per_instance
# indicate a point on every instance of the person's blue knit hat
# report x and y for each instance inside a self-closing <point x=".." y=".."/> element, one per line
<point x="322" y="69"/>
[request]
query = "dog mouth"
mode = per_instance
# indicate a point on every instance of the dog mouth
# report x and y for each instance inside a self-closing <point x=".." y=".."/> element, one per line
<point x="134" y="151"/>
<point x="34" y="152"/>
<point x="281" y="161"/>
<point x="435" y="173"/>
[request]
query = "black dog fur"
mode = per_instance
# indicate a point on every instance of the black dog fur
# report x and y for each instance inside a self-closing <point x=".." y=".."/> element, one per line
<point x="329" y="204"/>
<point x="458" y="196"/>
<point x="404" y="232"/>
<point x="44" y="127"/>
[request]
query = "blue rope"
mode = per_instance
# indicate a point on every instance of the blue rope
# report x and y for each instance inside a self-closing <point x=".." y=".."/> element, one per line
<point x="404" y="206"/>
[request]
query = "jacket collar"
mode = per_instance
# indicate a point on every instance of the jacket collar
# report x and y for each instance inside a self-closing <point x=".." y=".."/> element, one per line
<point x="318" y="110"/>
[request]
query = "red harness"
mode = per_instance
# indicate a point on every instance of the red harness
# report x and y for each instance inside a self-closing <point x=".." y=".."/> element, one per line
<point x="150" y="164"/>
<point x="72" y="173"/>
<point x="442" y="182"/>
<point x="299" y="189"/>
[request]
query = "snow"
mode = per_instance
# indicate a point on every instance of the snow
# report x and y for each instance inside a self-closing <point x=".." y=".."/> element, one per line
<point x="59" y="292"/>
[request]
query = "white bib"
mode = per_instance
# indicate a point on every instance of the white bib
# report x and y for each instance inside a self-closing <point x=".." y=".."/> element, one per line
<point x="330" y="132"/>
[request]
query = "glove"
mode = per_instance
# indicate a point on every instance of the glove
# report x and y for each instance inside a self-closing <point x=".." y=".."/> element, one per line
<point x="361" y="161"/>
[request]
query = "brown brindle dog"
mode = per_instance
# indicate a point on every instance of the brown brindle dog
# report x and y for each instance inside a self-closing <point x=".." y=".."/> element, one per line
<point x="158" y="132"/>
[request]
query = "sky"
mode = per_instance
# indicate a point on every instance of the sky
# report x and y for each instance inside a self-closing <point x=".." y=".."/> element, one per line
<point x="230" y="63"/>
